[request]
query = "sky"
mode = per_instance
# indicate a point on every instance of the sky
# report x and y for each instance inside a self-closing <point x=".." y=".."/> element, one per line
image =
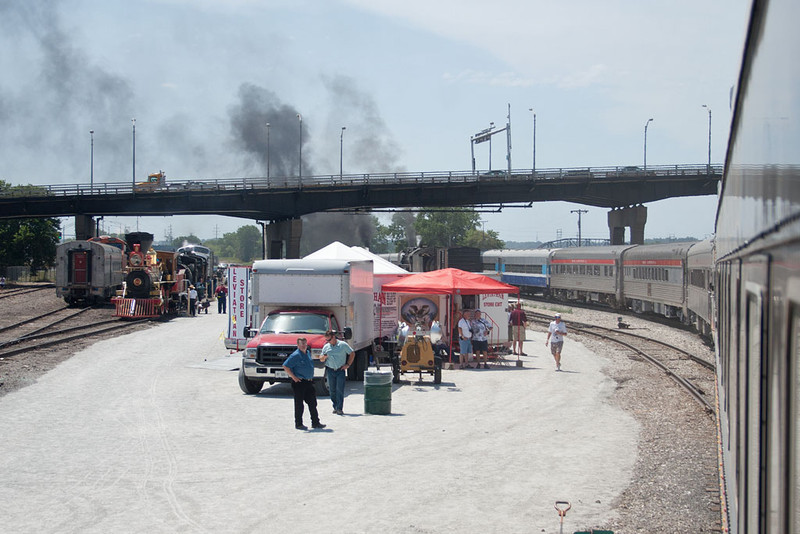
<point x="410" y="81"/>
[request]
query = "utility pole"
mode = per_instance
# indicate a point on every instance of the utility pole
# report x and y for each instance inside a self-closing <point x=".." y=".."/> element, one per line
<point x="579" y="212"/>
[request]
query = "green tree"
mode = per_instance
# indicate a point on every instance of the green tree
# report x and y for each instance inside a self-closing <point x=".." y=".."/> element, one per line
<point x="401" y="232"/>
<point x="30" y="242"/>
<point x="182" y="240"/>
<point x="483" y="240"/>
<point x="445" y="228"/>
<point x="248" y="243"/>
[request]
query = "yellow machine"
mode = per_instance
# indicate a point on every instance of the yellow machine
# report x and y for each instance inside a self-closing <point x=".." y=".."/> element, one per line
<point x="417" y="356"/>
<point x="156" y="180"/>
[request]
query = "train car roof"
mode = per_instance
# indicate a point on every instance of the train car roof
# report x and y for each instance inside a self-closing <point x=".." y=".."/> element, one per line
<point x="517" y="253"/>
<point x="613" y="251"/>
<point x="660" y="251"/>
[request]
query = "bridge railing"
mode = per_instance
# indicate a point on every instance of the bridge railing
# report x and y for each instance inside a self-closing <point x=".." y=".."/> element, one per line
<point x="350" y="180"/>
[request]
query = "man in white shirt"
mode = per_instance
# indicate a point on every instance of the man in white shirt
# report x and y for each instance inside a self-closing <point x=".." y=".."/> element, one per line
<point x="557" y="330"/>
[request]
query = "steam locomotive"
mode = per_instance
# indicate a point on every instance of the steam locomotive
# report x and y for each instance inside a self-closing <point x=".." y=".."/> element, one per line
<point x="157" y="282"/>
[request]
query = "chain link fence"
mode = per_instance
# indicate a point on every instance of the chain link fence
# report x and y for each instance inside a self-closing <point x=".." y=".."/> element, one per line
<point x="22" y="273"/>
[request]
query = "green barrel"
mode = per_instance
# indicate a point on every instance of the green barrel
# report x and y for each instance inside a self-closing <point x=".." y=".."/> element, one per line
<point x="378" y="392"/>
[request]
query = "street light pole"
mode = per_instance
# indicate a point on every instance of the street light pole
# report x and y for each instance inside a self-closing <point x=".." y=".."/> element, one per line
<point x="533" y="168"/>
<point x="645" y="143"/>
<point x="300" y="167"/>
<point x="91" y="162"/>
<point x="341" y="150"/>
<point x="491" y="127"/>
<point x="133" y="180"/>
<point x="267" y="152"/>
<point x="708" y="169"/>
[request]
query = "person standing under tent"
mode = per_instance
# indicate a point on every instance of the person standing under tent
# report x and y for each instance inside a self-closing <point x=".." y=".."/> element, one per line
<point x="480" y="339"/>
<point x="464" y="339"/>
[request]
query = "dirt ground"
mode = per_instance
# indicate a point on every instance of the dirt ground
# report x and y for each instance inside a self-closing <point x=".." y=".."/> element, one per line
<point x="150" y="432"/>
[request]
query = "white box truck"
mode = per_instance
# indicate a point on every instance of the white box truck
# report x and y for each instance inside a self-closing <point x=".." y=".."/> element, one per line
<point x="304" y="298"/>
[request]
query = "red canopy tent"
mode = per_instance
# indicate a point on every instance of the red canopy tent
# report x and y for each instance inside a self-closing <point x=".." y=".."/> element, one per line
<point x="449" y="282"/>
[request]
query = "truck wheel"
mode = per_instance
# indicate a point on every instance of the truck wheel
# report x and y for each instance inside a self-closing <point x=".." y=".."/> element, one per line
<point x="251" y="387"/>
<point x="321" y="387"/>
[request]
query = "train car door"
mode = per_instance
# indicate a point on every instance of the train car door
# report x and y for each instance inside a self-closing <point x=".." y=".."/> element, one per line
<point x="752" y="384"/>
<point x="80" y="267"/>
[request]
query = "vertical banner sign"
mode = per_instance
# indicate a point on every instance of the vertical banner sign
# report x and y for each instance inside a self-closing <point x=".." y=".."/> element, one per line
<point x="494" y="306"/>
<point x="238" y="306"/>
<point x="385" y="313"/>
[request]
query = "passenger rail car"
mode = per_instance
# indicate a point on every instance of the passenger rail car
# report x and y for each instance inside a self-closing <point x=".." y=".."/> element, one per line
<point x="758" y="281"/>
<point x="526" y="269"/>
<point x="700" y="286"/>
<point x="88" y="271"/>
<point x="588" y="274"/>
<point x="653" y="279"/>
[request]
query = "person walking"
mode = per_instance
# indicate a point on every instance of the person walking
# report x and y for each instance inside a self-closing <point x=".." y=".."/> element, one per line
<point x="557" y="330"/>
<point x="192" y="300"/>
<point x="338" y="357"/>
<point x="464" y="339"/>
<point x="480" y="339"/>
<point x="519" y="322"/>
<point x="222" y="297"/>
<point x="300" y="369"/>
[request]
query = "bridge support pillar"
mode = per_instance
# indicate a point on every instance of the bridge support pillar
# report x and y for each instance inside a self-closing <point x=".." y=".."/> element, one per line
<point x="84" y="227"/>
<point x="283" y="239"/>
<point x="634" y="218"/>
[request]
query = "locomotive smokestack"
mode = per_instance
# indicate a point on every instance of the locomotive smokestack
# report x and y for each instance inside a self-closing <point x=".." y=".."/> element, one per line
<point x="143" y="239"/>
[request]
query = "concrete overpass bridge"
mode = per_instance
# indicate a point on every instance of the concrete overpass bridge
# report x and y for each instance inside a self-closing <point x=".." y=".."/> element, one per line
<point x="283" y="200"/>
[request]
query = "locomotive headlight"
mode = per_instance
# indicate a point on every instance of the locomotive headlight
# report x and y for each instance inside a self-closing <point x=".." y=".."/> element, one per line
<point x="250" y="353"/>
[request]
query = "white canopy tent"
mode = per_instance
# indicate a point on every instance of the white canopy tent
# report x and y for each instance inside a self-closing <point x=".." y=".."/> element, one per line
<point x="383" y="272"/>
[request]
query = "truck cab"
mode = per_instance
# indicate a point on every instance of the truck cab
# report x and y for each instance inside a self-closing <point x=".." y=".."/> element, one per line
<point x="276" y="339"/>
<point x="156" y="180"/>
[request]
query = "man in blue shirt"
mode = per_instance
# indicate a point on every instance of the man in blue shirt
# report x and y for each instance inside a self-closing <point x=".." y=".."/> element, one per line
<point x="300" y="369"/>
<point x="338" y="357"/>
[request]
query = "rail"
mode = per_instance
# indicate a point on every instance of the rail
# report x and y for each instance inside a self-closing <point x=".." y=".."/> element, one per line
<point x="353" y="180"/>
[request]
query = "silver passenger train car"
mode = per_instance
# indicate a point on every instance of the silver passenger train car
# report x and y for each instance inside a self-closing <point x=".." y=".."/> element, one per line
<point x="758" y="280"/>
<point x="88" y="271"/>
<point x="654" y="279"/>
<point x="588" y="274"/>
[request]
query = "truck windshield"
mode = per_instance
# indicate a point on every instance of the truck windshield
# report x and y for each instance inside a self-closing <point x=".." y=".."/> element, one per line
<point x="295" y="323"/>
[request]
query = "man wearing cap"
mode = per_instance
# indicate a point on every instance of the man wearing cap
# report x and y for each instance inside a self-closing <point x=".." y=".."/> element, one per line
<point x="557" y="330"/>
<point x="337" y="356"/>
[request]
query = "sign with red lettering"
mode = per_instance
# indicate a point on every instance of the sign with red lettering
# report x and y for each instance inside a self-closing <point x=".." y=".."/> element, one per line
<point x="238" y="306"/>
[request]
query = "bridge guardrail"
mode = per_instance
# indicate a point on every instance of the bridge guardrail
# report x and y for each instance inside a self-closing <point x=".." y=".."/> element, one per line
<point x="349" y="180"/>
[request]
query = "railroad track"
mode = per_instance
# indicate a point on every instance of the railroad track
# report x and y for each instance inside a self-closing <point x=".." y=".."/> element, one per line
<point x="16" y="291"/>
<point x="696" y="375"/>
<point x="30" y="339"/>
